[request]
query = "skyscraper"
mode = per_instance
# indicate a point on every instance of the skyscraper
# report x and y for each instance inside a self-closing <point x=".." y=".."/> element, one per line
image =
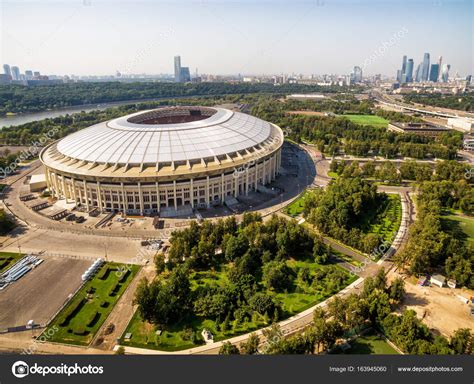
<point x="409" y="71"/>
<point x="434" y="72"/>
<point x="445" y="73"/>
<point x="6" y="69"/>
<point x="418" y="73"/>
<point x="357" y="75"/>
<point x="425" y="68"/>
<point x="15" y="73"/>
<point x="184" y="75"/>
<point x="404" y="64"/>
<point x="440" y="66"/>
<point x="177" y="69"/>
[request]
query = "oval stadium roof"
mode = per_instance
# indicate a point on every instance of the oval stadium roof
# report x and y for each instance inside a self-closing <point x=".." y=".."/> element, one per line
<point x="147" y="137"/>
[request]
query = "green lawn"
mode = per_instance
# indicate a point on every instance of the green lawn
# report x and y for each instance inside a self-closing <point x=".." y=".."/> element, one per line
<point x="295" y="208"/>
<point x="374" y="120"/>
<point x="7" y="259"/>
<point x="179" y="336"/>
<point x="388" y="221"/>
<point x="462" y="227"/>
<point x="82" y="317"/>
<point x="370" y="344"/>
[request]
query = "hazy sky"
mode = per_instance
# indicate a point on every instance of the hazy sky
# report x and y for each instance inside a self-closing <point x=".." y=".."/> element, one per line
<point x="229" y="37"/>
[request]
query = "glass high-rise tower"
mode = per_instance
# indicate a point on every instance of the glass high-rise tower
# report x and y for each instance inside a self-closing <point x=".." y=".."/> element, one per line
<point x="177" y="69"/>
<point x="409" y="71"/>
<point x="425" y="67"/>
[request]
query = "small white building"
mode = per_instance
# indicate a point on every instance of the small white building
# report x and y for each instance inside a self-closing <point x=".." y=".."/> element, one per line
<point x="461" y="124"/>
<point x="38" y="182"/>
<point x="438" y="280"/>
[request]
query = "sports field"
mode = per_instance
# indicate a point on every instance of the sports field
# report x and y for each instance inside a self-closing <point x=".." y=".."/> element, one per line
<point x="373" y="120"/>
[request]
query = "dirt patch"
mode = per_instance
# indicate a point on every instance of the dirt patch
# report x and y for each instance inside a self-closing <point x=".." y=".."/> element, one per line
<point x="439" y="308"/>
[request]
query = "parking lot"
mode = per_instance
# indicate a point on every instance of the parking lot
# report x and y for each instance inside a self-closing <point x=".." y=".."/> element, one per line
<point x="41" y="292"/>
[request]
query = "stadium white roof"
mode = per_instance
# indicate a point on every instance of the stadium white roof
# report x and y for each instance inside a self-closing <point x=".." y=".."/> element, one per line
<point x="136" y="140"/>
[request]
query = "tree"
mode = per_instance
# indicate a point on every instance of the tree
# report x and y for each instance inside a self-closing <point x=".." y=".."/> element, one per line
<point x="120" y="350"/>
<point x="160" y="264"/>
<point x="250" y="346"/>
<point x="228" y="349"/>
<point x="262" y="303"/>
<point x="397" y="290"/>
<point x="235" y="247"/>
<point x="461" y="341"/>
<point x="277" y="275"/>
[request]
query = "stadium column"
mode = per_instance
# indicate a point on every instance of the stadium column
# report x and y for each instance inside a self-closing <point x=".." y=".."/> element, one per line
<point x="175" y="196"/>
<point x="207" y="192"/>
<point x="256" y="176"/>
<point x="246" y="181"/>
<point x="273" y="167"/>
<point x="99" y="196"/>
<point x="191" y="193"/>
<point x="48" y="179"/>
<point x="140" y="198"/>
<point x="87" y="195"/>
<point x="74" y="195"/>
<point x="158" y="196"/>
<point x="63" y="183"/>
<point x="264" y="175"/>
<point x="222" y="188"/>
<point x="123" y="198"/>
<point x="236" y="184"/>
<point x="56" y="185"/>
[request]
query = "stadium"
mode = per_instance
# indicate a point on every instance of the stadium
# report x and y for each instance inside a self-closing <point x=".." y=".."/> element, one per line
<point x="164" y="159"/>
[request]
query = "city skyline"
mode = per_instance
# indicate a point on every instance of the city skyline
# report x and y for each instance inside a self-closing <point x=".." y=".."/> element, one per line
<point x="225" y="38"/>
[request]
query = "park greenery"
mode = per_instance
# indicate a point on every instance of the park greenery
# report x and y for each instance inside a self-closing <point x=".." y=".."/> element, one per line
<point x="20" y="99"/>
<point x="459" y="102"/>
<point x="335" y="135"/>
<point x="409" y="170"/>
<point x="351" y="210"/>
<point x="432" y="244"/>
<point x="346" y="317"/>
<point x="232" y="278"/>
<point x="78" y="322"/>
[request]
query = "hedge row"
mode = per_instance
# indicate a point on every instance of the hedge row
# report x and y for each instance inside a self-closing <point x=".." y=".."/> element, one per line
<point x="70" y="312"/>
<point x="92" y="319"/>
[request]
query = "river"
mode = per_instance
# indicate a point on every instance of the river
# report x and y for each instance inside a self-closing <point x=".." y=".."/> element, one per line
<point x="22" y="118"/>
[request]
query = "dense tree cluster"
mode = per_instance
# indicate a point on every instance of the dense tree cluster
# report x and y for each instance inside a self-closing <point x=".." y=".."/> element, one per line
<point x="255" y="256"/>
<point x="335" y="134"/>
<point x="431" y="244"/>
<point x="18" y="98"/>
<point x="373" y="307"/>
<point x="341" y="208"/>
<point x="460" y="102"/>
<point x="448" y="170"/>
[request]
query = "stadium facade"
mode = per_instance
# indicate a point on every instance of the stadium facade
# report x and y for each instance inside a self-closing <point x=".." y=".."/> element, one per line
<point x="168" y="157"/>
